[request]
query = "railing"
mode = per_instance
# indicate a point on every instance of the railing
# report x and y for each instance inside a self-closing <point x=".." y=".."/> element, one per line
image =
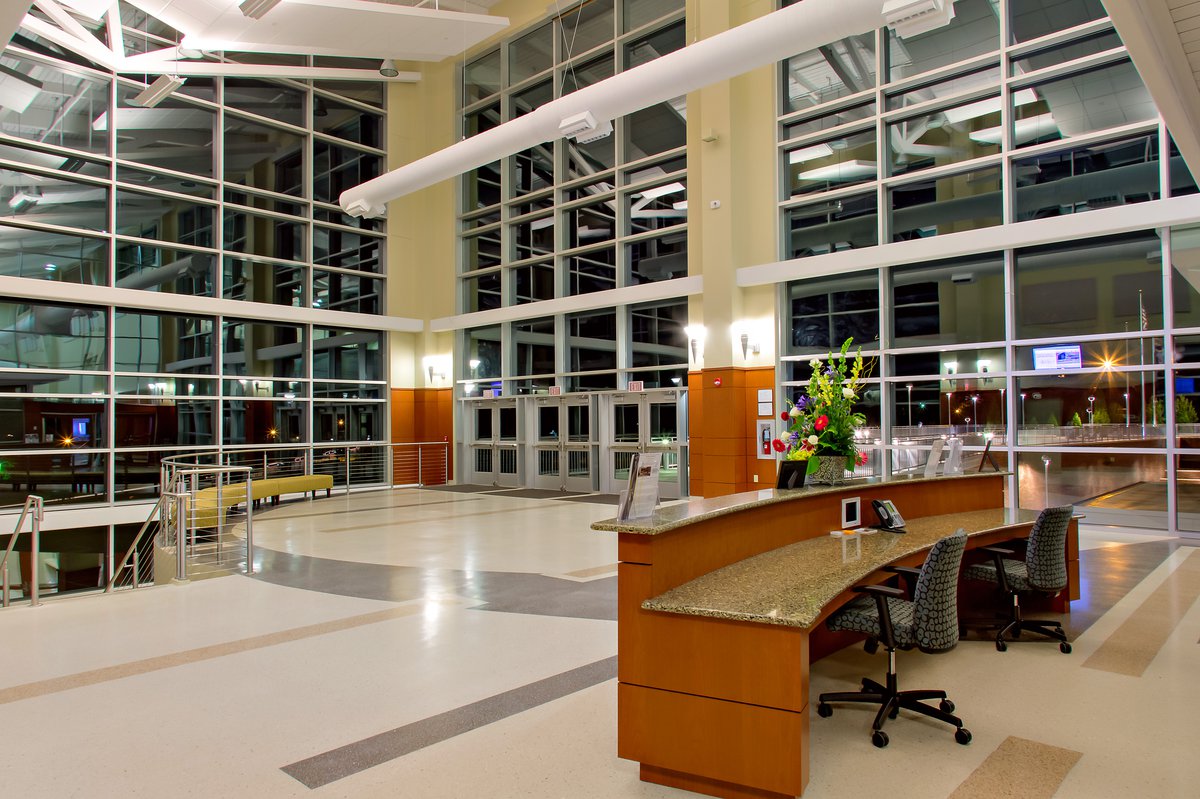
<point x="137" y="570"/>
<point x="201" y="520"/>
<point x="34" y="507"/>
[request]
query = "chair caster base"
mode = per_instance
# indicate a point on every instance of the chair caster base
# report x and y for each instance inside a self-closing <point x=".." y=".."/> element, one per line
<point x="962" y="735"/>
<point x="879" y="738"/>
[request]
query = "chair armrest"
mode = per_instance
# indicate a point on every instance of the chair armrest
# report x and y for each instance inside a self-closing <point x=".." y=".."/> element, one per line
<point x="880" y="590"/>
<point x="881" y="594"/>
<point x="998" y="555"/>
<point x="909" y="574"/>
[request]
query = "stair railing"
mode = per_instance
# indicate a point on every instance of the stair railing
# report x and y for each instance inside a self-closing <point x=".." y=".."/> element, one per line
<point x="34" y="508"/>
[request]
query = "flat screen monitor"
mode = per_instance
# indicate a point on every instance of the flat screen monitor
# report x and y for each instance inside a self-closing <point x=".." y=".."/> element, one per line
<point x="1056" y="359"/>
<point x="791" y="474"/>
<point x="79" y="429"/>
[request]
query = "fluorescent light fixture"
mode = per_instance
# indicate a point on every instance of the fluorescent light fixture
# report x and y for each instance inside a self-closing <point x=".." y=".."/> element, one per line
<point x="847" y="170"/>
<point x="680" y="206"/>
<point x="1024" y="130"/>
<point x="662" y="191"/>
<point x="584" y="128"/>
<point x="51" y="267"/>
<point x="23" y="199"/>
<point x="982" y="108"/>
<point x="809" y="153"/>
<point x="257" y="9"/>
<point x="388" y="68"/>
<point x="162" y="88"/>
<point x="914" y="17"/>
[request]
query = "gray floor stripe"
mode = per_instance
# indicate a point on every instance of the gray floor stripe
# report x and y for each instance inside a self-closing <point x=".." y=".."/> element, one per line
<point x="348" y="760"/>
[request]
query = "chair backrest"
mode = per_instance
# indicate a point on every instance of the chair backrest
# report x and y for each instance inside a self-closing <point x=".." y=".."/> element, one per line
<point x="935" y="599"/>
<point x="1046" y="553"/>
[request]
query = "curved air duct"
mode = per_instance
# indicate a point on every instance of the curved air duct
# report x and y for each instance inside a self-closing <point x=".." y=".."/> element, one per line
<point x="587" y="112"/>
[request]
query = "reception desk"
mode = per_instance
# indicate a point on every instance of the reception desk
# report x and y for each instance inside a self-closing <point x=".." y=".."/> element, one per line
<point x="720" y="610"/>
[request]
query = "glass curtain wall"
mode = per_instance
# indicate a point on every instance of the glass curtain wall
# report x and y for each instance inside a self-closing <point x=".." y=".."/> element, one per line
<point x="227" y="189"/>
<point x="1067" y="363"/>
<point x="569" y="218"/>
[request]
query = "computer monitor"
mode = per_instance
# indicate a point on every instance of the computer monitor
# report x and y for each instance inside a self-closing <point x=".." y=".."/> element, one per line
<point x="791" y="474"/>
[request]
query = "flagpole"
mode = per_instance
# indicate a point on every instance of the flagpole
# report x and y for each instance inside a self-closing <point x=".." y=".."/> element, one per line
<point x="1142" y="359"/>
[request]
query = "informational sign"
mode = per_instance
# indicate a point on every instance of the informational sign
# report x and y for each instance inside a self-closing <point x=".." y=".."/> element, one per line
<point x="637" y="385"/>
<point x="639" y="500"/>
<point x="1056" y="359"/>
<point x="935" y="455"/>
<point x="489" y="393"/>
<point x="555" y="391"/>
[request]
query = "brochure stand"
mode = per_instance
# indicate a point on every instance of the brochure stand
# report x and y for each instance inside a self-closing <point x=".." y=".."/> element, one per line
<point x="639" y="500"/>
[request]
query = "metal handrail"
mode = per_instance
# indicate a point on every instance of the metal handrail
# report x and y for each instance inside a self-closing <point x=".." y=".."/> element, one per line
<point x="35" y="504"/>
<point x="119" y="565"/>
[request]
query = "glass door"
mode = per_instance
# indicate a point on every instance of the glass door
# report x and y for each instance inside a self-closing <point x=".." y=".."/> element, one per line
<point x="563" y="449"/>
<point x="494" y="443"/>
<point x="650" y="421"/>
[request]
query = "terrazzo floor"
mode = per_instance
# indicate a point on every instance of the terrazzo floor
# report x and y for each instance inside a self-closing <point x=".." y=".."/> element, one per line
<point x="428" y="644"/>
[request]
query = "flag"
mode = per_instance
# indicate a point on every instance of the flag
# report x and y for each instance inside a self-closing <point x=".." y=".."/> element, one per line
<point x="1145" y="317"/>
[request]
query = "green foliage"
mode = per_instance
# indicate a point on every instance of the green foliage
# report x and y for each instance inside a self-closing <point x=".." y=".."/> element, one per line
<point x="1100" y="415"/>
<point x="1053" y="421"/>
<point x="823" y="421"/>
<point x="1185" y="411"/>
<point x="1076" y="421"/>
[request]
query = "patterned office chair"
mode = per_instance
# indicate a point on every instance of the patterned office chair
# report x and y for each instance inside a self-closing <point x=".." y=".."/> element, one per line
<point x="929" y="622"/>
<point x="1043" y="572"/>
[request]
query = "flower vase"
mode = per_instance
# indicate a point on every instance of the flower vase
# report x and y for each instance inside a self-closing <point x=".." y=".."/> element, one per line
<point x="831" y="470"/>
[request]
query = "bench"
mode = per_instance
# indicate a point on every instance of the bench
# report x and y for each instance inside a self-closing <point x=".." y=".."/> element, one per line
<point x="207" y="514"/>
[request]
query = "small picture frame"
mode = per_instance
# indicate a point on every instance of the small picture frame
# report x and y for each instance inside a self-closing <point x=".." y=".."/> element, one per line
<point x="851" y="513"/>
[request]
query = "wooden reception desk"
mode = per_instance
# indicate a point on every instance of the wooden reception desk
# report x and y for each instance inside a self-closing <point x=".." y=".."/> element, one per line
<point x="721" y="604"/>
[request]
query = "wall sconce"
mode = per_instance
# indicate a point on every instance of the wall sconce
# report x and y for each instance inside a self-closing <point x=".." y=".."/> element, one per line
<point x="951" y="367"/>
<point x="983" y="366"/>
<point x="437" y="366"/>
<point x="696" y="335"/>
<point x="474" y="363"/>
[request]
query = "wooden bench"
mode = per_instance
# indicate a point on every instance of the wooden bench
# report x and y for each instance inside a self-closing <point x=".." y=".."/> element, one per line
<point x="206" y="512"/>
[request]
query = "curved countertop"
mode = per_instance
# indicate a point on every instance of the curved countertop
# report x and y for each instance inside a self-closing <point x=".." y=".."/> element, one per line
<point x="672" y="517"/>
<point x="791" y="586"/>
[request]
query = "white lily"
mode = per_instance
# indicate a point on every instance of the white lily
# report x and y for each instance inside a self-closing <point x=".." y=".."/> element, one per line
<point x="795" y="411"/>
<point x="848" y="393"/>
<point x="815" y="363"/>
<point x="812" y="440"/>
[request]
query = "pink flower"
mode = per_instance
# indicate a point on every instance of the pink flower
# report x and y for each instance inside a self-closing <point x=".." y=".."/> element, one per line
<point x="778" y="445"/>
<point x="821" y="423"/>
<point x="862" y="459"/>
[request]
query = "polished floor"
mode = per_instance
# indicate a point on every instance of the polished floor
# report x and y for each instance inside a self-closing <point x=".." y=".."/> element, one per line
<point x="423" y="643"/>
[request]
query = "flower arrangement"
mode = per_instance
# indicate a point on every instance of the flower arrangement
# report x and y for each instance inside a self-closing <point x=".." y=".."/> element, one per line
<point x="822" y="422"/>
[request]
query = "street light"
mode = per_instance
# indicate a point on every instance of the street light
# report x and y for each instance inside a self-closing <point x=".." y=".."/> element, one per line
<point x="949" y="416"/>
<point x="1091" y="417"/>
<point x="1127" y="409"/>
<point x="1022" y="409"/>
<point x="975" y="410"/>
<point x="909" y="387"/>
<point x="1046" y="479"/>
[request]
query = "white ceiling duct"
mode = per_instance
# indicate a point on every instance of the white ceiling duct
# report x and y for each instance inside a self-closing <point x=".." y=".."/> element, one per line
<point x="768" y="39"/>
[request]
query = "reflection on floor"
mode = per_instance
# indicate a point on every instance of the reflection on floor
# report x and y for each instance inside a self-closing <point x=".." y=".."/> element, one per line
<point x="1144" y="504"/>
<point x="421" y="643"/>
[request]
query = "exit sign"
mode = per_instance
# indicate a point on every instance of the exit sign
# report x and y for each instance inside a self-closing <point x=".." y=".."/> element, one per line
<point x="637" y="385"/>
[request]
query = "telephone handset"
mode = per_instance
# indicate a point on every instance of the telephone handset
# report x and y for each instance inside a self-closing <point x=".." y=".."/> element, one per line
<point x="889" y="518"/>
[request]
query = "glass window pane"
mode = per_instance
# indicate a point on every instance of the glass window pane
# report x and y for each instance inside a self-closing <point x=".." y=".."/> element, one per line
<point x="822" y="166"/>
<point x="587" y="224"/>
<point x="535" y="346"/>
<point x="1095" y="286"/>
<point x="340" y="354"/>
<point x="151" y="342"/>
<point x="150" y="268"/>
<point x="1086" y="102"/>
<point x="825" y="312"/>
<point x="949" y="204"/>
<point x="640" y="12"/>
<point x="534" y="282"/>
<point x="263" y="349"/>
<point x="535" y="237"/>
<point x="1093" y="483"/>
<point x="347" y="249"/>
<point x="257" y="281"/>
<point x="1185" y="275"/>
<point x="657" y="334"/>
<point x="264" y="421"/>
<point x="54" y="423"/>
<point x="189" y="129"/>
<point x="62" y="113"/>
<point x="26" y="381"/>
<point x="1064" y="53"/>
<point x="336" y="169"/>
<point x="974" y="31"/>
<point x="269" y="236"/>
<point x="481" y="251"/>
<point x="263" y="157"/>
<point x="590" y="271"/>
<point x="152" y="216"/>
<point x="43" y="336"/>
<point x="592" y="341"/>
<point x="1182" y="181"/>
<point x="1034" y="18"/>
<point x="276" y="101"/>
<point x="484" y="358"/>
<point x="1085" y="178"/>
<point x="835" y="70"/>
<point x="52" y="198"/>
<point x="586" y="26"/>
<point x="828" y="121"/>
<point x="946" y="136"/>
<point x="531" y="53"/>
<point x="163" y="181"/>
<point x="53" y="256"/>
<point x="481" y="77"/>
<point x="484" y="292"/>
<point x="945" y="88"/>
<point x="832" y="226"/>
<point x="349" y="421"/>
<point x="63" y="477"/>
<point x="159" y="423"/>
<point x="659" y="258"/>
<point x="949" y="302"/>
<point x="338" y="291"/>
<point x="345" y="121"/>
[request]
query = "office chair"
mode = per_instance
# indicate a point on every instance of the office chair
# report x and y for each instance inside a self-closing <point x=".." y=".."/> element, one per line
<point x="929" y="622"/>
<point x="1043" y="573"/>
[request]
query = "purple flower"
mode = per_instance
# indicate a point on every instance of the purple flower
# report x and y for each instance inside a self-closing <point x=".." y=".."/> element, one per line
<point x="802" y="403"/>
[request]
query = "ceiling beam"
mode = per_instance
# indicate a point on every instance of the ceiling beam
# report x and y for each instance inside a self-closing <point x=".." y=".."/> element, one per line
<point x="230" y="70"/>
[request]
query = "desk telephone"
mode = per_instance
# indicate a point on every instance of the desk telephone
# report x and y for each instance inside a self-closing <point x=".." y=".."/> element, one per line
<point x="889" y="518"/>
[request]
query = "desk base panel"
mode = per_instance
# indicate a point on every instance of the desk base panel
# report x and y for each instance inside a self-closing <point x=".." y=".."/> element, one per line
<point x="690" y="782"/>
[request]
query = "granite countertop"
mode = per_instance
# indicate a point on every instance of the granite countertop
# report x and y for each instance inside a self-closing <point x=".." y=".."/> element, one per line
<point x="791" y="585"/>
<point x="672" y="517"/>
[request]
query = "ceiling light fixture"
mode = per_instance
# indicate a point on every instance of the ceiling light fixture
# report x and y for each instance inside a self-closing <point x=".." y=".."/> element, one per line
<point x="257" y="9"/>
<point x="23" y="199"/>
<point x="586" y="113"/>
<point x="162" y="88"/>
<point x="388" y="68"/>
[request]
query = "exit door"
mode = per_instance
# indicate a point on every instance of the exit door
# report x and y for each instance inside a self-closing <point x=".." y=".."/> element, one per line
<point x="494" y="443"/>
<point x="563" y="443"/>
<point x="650" y="421"/>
